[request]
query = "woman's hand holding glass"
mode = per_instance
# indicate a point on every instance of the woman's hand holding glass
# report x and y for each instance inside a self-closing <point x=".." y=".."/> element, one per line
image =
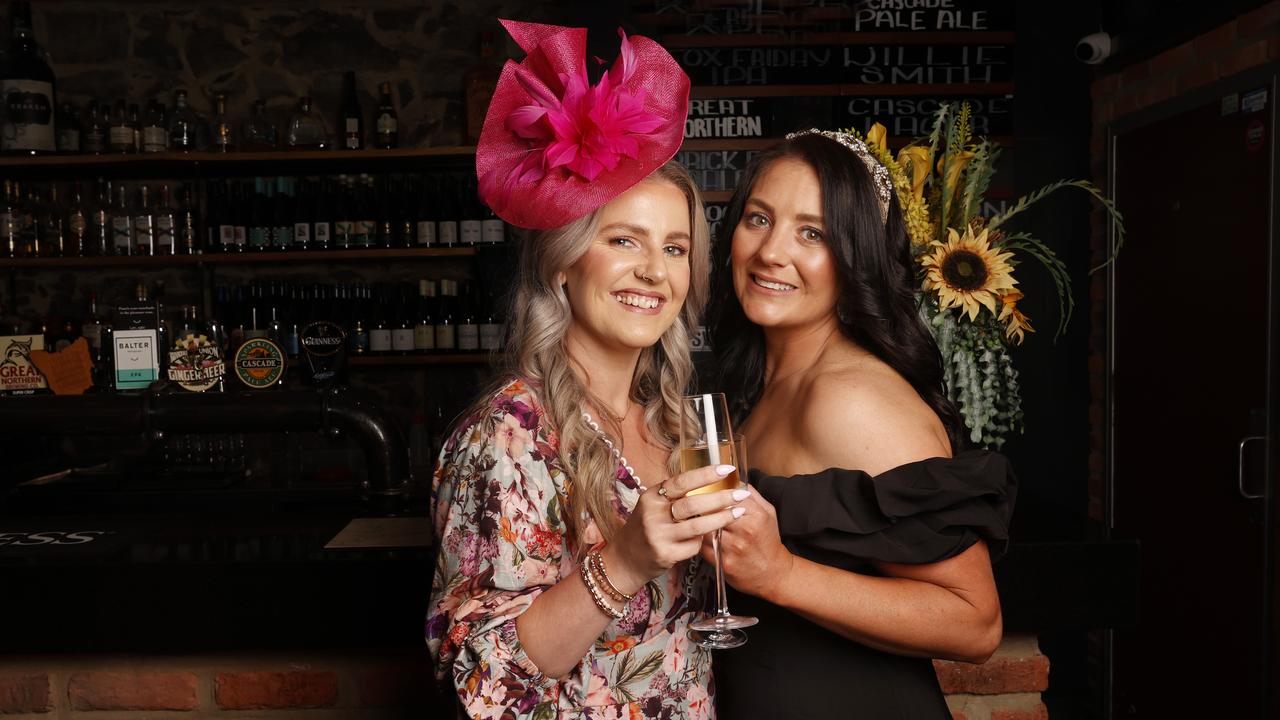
<point x="755" y="560"/>
<point x="667" y="527"/>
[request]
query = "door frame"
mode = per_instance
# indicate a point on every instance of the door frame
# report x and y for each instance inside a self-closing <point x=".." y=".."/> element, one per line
<point x="1266" y="75"/>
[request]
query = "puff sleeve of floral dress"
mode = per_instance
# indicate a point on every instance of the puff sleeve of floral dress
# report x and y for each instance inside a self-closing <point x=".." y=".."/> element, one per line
<point x="499" y="503"/>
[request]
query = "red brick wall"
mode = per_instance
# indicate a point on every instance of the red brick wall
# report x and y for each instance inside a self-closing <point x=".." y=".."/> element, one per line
<point x="1250" y="40"/>
<point x="1006" y="687"/>
<point x="373" y="685"/>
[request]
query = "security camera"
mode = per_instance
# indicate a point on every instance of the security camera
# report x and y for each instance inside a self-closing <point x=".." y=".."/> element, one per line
<point x="1093" y="49"/>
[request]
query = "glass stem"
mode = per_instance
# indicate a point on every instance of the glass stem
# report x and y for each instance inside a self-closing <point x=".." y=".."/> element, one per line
<point x="722" y="601"/>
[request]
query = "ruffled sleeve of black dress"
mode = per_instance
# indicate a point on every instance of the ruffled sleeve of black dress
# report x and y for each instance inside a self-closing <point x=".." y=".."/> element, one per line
<point x="917" y="513"/>
<point x="922" y="512"/>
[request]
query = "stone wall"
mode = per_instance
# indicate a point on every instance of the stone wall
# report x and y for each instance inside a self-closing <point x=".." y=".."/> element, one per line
<point x="276" y="51"/>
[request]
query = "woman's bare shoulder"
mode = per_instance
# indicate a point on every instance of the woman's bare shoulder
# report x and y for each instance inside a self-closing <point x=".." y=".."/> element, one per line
<point x="863" y="415"/>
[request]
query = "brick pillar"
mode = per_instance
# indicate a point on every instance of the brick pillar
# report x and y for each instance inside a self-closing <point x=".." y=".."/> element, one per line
<point x="1006" y="687"/>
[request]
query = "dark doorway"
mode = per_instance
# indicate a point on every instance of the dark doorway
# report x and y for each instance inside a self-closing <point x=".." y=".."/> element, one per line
<point x="1190" y="369"/>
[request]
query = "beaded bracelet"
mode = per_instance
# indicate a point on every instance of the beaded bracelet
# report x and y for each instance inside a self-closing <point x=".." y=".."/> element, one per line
<point x="596" y="561"/>
<point x="590" y="582"/>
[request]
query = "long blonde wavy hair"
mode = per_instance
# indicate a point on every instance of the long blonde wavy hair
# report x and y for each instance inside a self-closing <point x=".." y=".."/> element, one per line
<point x="539" y="317"/>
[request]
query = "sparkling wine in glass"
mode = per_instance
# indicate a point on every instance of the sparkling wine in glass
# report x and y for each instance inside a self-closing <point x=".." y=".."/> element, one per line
<point x="706" y="438"/>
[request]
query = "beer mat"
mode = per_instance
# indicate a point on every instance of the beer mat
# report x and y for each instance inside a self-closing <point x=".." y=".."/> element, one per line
<point x="26" y="542"/>
<point x="68" y="371"/>
<point x="397" y="532"/>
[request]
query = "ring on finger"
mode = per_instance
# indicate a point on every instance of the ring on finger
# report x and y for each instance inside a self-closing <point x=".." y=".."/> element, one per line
<point x="662" y="490"/>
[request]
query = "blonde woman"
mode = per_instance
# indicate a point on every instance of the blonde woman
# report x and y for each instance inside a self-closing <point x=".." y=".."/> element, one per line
<point x="562" y="585"/>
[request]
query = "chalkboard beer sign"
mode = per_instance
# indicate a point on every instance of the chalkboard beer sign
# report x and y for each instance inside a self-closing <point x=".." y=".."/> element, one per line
<point x="858" y="64"/>
<point x="906" y="116"/>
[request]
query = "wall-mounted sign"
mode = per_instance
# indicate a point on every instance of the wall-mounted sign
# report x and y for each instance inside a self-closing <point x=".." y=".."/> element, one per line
<point x="960" y="64"/>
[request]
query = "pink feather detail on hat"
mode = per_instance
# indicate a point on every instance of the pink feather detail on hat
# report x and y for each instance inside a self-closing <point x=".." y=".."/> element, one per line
<point x="555" y="147"/>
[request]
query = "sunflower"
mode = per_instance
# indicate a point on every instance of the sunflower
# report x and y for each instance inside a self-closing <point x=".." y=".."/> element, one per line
<point x="967" y="273"/>
<point x="1017" y="323"/>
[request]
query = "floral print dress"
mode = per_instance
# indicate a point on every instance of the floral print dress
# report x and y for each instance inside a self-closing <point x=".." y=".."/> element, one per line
<point x="500" y="499"/>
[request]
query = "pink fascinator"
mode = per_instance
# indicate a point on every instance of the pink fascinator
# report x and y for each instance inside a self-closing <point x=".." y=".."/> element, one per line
<point x="554" y="147"/>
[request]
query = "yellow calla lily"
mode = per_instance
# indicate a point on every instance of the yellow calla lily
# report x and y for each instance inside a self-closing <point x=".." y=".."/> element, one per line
<point x="878" y="138"/>
<point x="915" y="160"/>
<point x="955" y="164"/>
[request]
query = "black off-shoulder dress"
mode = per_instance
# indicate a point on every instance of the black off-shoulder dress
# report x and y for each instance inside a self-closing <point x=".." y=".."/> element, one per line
<point x="922" y="512"/>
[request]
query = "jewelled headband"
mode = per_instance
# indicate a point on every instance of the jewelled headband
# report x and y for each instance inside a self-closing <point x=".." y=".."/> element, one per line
<point x="879" y="173"/>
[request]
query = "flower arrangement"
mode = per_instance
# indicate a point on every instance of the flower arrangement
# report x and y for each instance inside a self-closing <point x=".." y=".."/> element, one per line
<point x="966" y="264"/>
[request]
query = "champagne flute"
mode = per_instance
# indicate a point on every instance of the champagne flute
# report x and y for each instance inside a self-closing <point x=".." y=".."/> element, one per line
<point x="706" y="438"/>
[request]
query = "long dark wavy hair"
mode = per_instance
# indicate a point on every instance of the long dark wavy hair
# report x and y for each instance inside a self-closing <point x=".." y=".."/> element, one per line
<point x="877" y="304"/>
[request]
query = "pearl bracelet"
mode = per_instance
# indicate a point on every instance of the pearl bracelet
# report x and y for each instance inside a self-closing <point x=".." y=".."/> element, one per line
<point x="596" y="561"/>
<point x="589" y="580"/>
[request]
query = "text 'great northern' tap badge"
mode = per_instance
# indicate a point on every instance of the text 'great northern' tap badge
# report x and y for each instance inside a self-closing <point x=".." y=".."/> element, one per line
<point x="259" y="363"/>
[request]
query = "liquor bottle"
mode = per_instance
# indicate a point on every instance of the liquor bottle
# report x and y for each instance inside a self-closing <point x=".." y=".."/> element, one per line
<point x="166" y="222"/>
<point x="222" y="227"/>
<point x="493" y="230"/>
<point x="28" y="222"/>
<point x="135" y="124"/>
<point x="282" y="216"/>
<point x="307" y="130"/>
<point x="224" y="133"/>
<point x="358" y="334"/>
<point x="94" y="138"/>
<point x="380" y="327"/>
<point x="446" y="329"/>
<point x="385" y="227"/>
<point x="365" y="231"/>
<point x="52" y="234"/>
<point x="155" y="132"/>
<point x="471" y="228"/>
<point x="91" y="329"/>
<point x="468" y="325"/>
<point x="292" y="324"/>
<point x="424" y="328"/>
<point x="402" y="333"/>
<point x="77" y="223"/>
<point x="184" y="125"/>
<point x="144" y="224"/>
<point x="493" y="331"/>
<point x="99" y="240"/>
<point x="426" y="213"/>
<point x="121" y="137"/>
<point x="258" y="133"/>
<point x="121" y="224"/>
<point x="350" y="114"/>
<point x="344" y="215"/>
<point x="479" y="83"/>
<point x="259" y="224"/>
<point x="303" y="206"/>
<point x="8" y="223"/>
<point x="322" y="212"/>
<point x="255" y="313"/>
<point x="69" y="131"/>
<point x="186" y="225"/>
<point x="406" y="228"/>
<point x="387" y="125"/>
<point x="447" y="218"/>
<point x="27" y="88"/>
<point x="241" y="207"/>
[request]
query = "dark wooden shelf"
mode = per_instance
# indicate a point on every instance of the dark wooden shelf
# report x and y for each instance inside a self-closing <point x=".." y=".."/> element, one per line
<point x="481" y="358"/>
<point x="239" y="258"/>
